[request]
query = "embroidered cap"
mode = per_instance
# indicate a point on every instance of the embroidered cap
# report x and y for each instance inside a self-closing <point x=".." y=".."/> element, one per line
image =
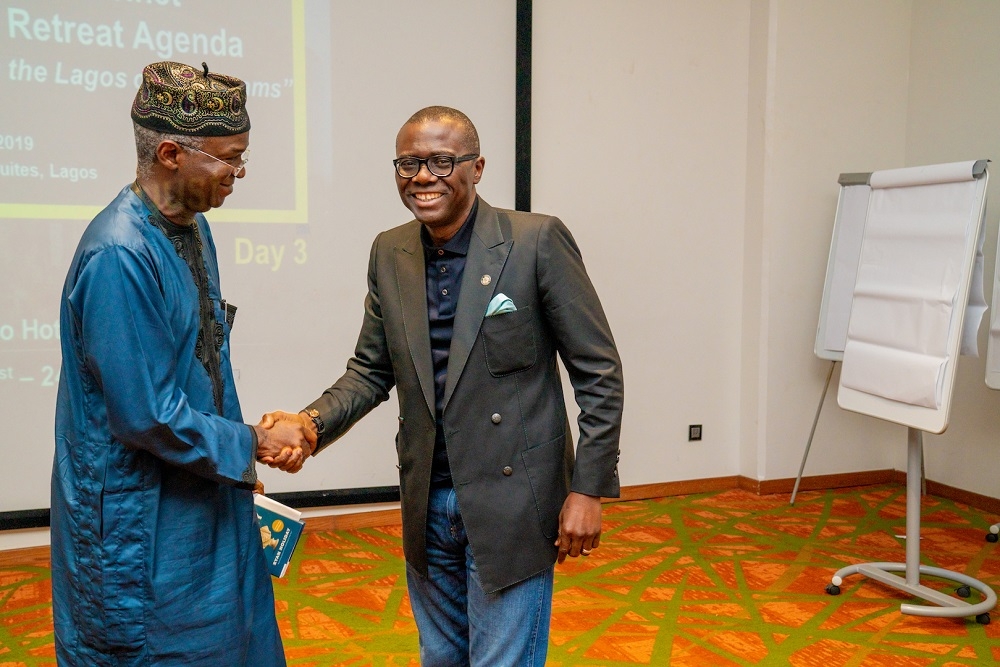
<point x="179" y="99"/>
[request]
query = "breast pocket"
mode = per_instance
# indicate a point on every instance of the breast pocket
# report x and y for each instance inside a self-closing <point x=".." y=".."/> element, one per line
<point x="225" y="316"/>
<point x="509" y="342"/>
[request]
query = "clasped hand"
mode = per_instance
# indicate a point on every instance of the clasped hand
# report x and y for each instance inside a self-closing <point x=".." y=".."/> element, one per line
<point x="284" y="440"/>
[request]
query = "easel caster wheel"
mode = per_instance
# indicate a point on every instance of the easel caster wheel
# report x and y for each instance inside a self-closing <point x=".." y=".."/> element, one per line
<point x="991" y="537"/>
<point x="833" y="589"/>
<point x="963" y="591"/>
<point x="983" y="619"/>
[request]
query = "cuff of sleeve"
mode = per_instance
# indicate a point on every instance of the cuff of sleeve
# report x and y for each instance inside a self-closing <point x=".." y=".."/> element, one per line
<point x="249" y="480"/>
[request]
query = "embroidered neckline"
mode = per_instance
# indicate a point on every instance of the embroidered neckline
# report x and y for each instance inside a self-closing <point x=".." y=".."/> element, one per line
<point x="188" y="246"/>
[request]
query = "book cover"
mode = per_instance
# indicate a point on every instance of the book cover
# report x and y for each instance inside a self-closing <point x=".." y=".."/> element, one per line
<point x="280" y="528"/>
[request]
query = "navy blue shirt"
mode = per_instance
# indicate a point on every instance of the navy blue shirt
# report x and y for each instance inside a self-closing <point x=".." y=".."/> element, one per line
<point x="445" y="266"/>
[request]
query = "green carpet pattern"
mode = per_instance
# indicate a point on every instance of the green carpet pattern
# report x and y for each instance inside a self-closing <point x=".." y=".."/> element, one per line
<point x="709" y="580"/>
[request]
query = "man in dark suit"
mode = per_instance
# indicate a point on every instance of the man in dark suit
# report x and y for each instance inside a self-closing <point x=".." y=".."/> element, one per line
<point x="466" y="311"/>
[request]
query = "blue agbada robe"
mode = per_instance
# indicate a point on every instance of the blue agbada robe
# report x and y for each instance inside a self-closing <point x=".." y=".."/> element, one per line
<point x="156" y="550"/>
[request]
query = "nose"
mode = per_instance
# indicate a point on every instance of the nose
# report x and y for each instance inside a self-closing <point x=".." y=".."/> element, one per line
<point x="241" y="172"/>
<point x="424" y="175"/>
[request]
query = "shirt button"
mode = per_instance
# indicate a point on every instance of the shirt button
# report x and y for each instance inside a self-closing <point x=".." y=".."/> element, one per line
<point x="440" y="252"/>
<point x="496" y="418"/>
<point x="444" y="292"/>
<point x="508" y="471"/>
<point x="444" y="269"/>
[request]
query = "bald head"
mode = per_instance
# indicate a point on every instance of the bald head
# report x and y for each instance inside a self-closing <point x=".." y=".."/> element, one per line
<point x="470" y="137"/>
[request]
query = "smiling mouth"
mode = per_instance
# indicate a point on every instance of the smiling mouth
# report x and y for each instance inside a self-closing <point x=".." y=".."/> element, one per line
<point x="427" y="196"/>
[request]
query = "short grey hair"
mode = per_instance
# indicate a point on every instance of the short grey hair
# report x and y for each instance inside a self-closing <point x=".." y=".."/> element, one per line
<point x="147" y="141"/>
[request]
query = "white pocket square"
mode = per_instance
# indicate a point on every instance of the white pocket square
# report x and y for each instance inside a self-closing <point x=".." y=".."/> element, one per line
<point x="501" y="303"/>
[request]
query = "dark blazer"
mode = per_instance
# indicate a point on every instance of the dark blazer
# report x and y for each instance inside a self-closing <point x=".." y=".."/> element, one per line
<point x="506" y="428"/>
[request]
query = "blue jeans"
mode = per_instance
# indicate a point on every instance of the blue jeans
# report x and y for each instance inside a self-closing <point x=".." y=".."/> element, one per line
<point x="458" y="622"/>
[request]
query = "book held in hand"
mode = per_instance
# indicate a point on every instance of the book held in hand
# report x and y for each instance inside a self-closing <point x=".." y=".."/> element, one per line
<point x="280" y="528"/>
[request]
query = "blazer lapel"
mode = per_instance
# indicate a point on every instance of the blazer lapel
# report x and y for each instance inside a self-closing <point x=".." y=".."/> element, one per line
<point x="412" y="285"/>
<point x="488" y="251"/>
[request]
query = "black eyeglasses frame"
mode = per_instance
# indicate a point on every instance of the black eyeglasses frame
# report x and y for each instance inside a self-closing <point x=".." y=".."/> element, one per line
<point x="426" y="162"/>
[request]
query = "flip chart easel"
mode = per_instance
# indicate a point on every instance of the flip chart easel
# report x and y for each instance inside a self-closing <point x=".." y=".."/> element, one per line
<point x="904" y="336"/>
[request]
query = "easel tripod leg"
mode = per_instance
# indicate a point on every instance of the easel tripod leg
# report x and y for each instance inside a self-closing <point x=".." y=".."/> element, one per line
<point x="812" y="432"/>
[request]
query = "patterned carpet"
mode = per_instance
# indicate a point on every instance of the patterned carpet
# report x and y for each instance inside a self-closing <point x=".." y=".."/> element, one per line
<point x="711" y="580"/>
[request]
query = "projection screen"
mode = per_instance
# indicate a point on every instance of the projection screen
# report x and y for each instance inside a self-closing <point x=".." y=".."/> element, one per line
<point x="329" y="85"/>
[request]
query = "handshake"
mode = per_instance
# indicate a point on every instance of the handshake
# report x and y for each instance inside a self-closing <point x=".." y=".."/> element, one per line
<point x="284" y="440"/>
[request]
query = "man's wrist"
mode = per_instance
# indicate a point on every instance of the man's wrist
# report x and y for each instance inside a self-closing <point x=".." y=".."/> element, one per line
<point x="318" y="426"/>
<point x="259" y="436"/>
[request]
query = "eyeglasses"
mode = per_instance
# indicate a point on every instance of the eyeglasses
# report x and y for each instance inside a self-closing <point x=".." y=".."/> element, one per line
<point x="241" y="160"/>
<point x="439" y="165"/>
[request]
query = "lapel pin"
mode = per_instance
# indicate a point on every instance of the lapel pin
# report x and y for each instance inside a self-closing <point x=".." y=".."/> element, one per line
<point x="485" y="280"/>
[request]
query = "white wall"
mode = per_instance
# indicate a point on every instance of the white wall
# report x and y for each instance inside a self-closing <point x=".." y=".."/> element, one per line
<point x="694" y="149"/>
<point x="835" y="101"/>
<point x="727" y="124"/>
<point x="859" y="86"/>
<point x="639" y="113"/>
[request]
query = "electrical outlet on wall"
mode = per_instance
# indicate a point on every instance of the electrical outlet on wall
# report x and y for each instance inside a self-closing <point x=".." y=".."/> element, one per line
<point x="694" y="432"/>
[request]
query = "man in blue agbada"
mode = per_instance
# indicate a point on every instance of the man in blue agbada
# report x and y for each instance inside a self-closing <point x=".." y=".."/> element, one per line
<point x="156" y="551"/>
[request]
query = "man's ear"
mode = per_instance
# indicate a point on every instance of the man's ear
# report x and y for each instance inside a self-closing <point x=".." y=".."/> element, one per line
<point x="166" y="154"/>
<point x="478" y="166"/>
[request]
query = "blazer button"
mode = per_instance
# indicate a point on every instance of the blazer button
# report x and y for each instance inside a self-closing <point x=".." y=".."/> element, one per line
<point x="496" y="418"/>
<point x="508" y="471"/>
